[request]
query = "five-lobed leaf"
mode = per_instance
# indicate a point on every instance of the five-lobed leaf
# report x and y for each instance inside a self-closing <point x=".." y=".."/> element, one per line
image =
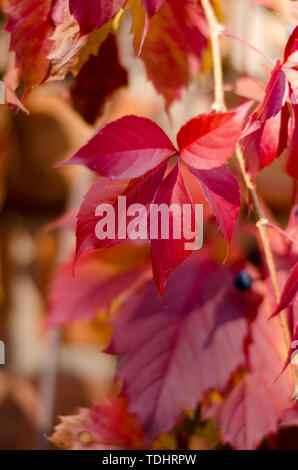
<point x="131" y="147"/>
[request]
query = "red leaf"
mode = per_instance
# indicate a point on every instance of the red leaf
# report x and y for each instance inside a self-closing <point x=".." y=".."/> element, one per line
<point x="174" y="44"/>
<point x="170" y="356"/>
<point x="30" y="30"/>
<point x="104" y="426"/>
<point x="221" y="190"/>
<point x="258" y="402"/>
<point x="96" y="284"/>
<point x="289" y="291"/>
<point x="260" y="147"/>
<point x="266" y="134"/>
<point x="152" y="6"/>
<point x="292" y="45"/>
<point x="100" y="76"/>
<point x="291" y="154"/>
<point x="167" y="254"/>
<point x="266" y="143"/>
<point x="209" y="140"/>
<point x="93" y="14"/>
<point x="105" y="191"/>
<point x="126" y="148"/>
<point x="273" y="101"/>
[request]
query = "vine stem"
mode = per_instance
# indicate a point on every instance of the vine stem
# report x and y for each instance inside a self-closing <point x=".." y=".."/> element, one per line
<point x="216" y="30"/>
<point x="251" y="46"/>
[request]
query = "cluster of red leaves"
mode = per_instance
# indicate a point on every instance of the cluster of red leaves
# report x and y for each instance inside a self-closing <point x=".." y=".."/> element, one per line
<point x="53" y="37"/>
<point x="272" y="128"/>
<point x="137" y="148"/>
<point x="207" y="338"/>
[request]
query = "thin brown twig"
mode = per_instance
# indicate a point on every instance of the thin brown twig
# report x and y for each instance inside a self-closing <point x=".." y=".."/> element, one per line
<point x="215" y="32"/>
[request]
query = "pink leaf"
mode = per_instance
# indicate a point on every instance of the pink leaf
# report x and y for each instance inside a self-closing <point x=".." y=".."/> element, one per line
<point x="172" y="50"/>
<point x="94" y="286"/>
<point x="275" y="94"/>
<point x="221" y="190"/>
<point x="289" y="291"/>
<point x="266" y="134"/>
<point x="263" y="145"/>
<point x="239" y="413"/>
<point x="273" y="101"/>
<point x="255" y="406"/>
<point x="93" y="14"/>
<point x="170" y="356"/>
<point x="126" y="148"/>
<point x="167" y="254"/>
<point x="209" y="140"/>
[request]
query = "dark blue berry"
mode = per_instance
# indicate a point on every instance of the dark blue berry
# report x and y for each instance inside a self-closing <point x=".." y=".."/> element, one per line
<point x="296" y="212"/>
<point x="243" y="280"/>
